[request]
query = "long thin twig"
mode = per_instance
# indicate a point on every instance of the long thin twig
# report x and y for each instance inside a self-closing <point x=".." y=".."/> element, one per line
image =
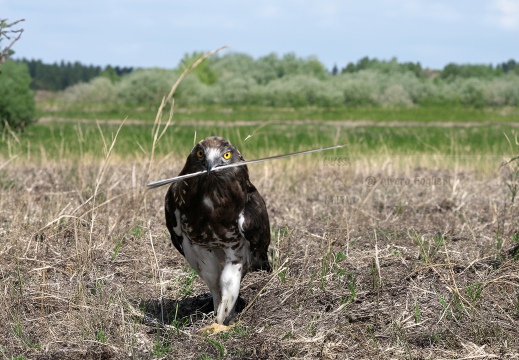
<point x="158" y="273"/>
<point x="156" y="131"/>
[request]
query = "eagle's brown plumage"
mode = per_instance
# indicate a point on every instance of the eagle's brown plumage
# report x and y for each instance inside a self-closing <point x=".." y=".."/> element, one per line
<point x="219" y="222"/>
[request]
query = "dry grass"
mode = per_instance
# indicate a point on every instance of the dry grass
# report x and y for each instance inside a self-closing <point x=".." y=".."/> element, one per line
<point x="371" y="259"/>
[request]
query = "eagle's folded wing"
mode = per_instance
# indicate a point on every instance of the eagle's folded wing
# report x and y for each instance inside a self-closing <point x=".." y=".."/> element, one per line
<point x="173" y="220"/>
<point x="256" y="229"/>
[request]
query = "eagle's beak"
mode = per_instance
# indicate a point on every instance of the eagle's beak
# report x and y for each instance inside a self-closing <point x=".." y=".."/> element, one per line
<point x="212" y="160"/>
<point x="209" y="164"/>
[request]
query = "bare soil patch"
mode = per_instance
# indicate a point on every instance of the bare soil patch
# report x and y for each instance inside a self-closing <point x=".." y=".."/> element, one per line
<point x="415" y="263"/>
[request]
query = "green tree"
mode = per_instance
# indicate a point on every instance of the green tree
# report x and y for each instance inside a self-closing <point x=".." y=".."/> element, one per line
<point x="56" y="77"/>
<point x="204" y="70"/>
<point x="16" y="98"/>
<point x="110" y="73"/>
<point x="511" y="66"/>
<point x="387" y="67"/>
<point x="452" y="71"/>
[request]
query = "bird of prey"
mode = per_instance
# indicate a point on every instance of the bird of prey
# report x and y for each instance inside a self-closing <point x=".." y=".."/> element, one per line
<point x="219" y="222"/>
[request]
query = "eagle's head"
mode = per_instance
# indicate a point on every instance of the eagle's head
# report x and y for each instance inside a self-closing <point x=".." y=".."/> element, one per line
<point x="211" y="152"/>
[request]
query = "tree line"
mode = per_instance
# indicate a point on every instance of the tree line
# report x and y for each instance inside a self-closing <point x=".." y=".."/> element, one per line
<point x="291" y="81"/>
<point x="59" y="76"/>
<point x="449" y="71"/>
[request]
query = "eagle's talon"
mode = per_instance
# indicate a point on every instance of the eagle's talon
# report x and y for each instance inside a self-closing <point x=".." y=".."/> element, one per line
<point x="215" y="328"/>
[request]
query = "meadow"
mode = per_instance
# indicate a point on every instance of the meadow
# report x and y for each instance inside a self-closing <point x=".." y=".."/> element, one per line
<point x="458" y="131"/>
<point x="402" y="244"/>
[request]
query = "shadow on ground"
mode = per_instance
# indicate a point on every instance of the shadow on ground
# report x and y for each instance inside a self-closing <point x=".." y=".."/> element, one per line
<point x="186" y="311"/>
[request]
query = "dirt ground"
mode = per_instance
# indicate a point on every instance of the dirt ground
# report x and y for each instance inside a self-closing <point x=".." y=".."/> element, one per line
<point x="410" y="263"/>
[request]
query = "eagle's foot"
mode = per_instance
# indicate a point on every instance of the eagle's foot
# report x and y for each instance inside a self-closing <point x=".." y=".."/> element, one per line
<point x="215" y="328"/>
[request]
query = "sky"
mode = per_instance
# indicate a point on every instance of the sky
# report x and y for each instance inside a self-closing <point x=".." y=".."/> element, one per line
<point x="157" y="33"/>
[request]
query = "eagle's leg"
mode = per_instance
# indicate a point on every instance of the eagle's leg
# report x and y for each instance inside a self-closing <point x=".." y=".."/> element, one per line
<point x="207" y="265"/>
<point x="224" y="297"/>
<point x="235" y="267"/>
<point x="230" y="286"/>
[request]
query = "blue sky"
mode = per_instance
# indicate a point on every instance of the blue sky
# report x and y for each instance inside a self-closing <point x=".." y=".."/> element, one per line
<point x="159" y="32"/>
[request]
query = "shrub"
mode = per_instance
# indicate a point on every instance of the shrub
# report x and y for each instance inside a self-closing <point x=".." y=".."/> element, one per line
<point x="300" y="90"/>
<point x="192" y="91"/>
<point x="502" y="91"/>
<point x="394" y="95"/>
<point x="16" y="98"/>
<point x="145" y="87"/>
<point x="235" y="91"/>
<point x="472" y="92"/>
<point x="358" y="88"/>
<point x="99" y="90"/>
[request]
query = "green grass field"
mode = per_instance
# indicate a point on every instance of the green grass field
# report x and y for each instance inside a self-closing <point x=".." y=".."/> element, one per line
<point x="69" y="140"/>
<point x="428" y="113"/>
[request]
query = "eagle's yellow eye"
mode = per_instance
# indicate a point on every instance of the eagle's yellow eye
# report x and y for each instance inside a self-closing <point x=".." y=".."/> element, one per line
<point x="227" y="155"/>
<point x="200" y="154"/>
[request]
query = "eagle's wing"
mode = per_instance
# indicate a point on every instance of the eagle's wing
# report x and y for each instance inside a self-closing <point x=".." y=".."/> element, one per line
<point x="173" y="219"/>
<point x="255" y="227"/>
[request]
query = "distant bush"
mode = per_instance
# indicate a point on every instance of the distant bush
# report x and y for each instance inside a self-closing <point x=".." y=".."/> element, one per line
<point x="296" y="91"/>
<point x="358" y="89"/>
<point x="99" y="90"/>
<point x="502" y="92"/>
<point x="192" y="91"/>
<point x="395" y="95"/>
<point x="145" y="87"/>
<point x="374" y="88"/>
<point x="17" y="105"/>
<point x="235" y="91"/>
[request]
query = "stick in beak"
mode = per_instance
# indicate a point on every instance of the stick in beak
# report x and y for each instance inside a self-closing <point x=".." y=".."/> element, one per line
<point x="211" y="167"/>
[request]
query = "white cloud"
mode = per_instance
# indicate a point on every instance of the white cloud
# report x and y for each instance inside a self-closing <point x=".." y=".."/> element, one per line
<point x="508" y="14"/>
